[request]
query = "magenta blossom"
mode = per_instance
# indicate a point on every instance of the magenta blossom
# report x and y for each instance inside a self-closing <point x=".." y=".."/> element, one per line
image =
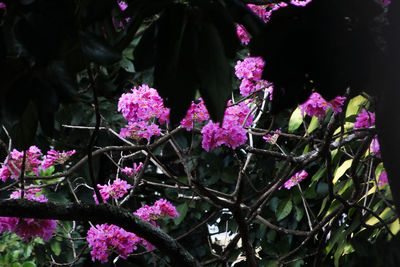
<point x="364" y="120"/>
<point x="315" y="106"/>
<point x="296" y="178"/>
<point x="375" y="147"/>
<point x="383" y="179"/>
<point x="116" y="190"/>
<point x="197" y="113"/>
<point x="243" y="35"/>
<point x="55" y="157"/>
<point x="250" y="68"/>
<point x="28" y="228"/>
<point x="337" y="103"/>
<point x="131" y="172"/>
<point x="272" y="138"/>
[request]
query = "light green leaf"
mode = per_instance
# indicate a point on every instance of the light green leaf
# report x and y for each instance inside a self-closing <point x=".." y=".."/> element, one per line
<point x="295" y="120"/>
<point x="318" y="174"/>
<point x="299" y="213"/>
<point x="355" y="105"/>
<point x="55" y="247"/>
<point x="284" y="209"/>
<point x="29" y="264"/>
<point x="342" y="170"/>
<point x="386" y="213"/>
<point x="313" y="125"/>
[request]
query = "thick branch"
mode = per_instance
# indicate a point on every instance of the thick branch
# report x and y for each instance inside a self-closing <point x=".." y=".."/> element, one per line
<point x="100" y="214"/>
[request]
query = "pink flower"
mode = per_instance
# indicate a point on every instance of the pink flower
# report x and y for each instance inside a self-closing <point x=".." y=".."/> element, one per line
<point x="212" y="136"/>
<point x="54" y="157"/>
<point x="250" y="68"/>
<point x="315" y="106"/>
<point x="116" y="190"/>
<point x="243" y="35"/>
<point x="383" y="179"/>
<point x="28" y="228"/>
<point x="3" y="6"/>
<point x="105" y="239"/>
<point x="375" y="147"/>
<point x="13" y="164"/>
<point x="131" y="172"/>
<point x="197" y="113"/>
<point x="139" y="130"/>
<point x="337" y="104"/>
<point x="300" y="2"/>
<point x="272" y="138"/>
<point x="122" y="5"/>
<point x="364" y="120"/>
<point x="296" y="178"/>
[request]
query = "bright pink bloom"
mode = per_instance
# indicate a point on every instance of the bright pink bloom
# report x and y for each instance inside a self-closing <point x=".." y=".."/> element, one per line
<point x="196" y="113"/>
<point x="364" y="120"/>
<point x="139" y="130"/>
<point x="296" y="178"/>
<point x="131" y="172"/>
<point x="12" y="165"/>
<point x="243" y="35"/>
<point x="3" y="6"/>
<point x="300" y="2"/>
<point x="337" y="103"/>
<point x="105" y="239"/>
<point x="212" y="136"/>
<point x="272" y="138"/>
<point x="383" y="179"/>
<point x="250" y="68"/>
<point x="375" y="147"/>
<point x="122" y="5"/>
<point x="55" y="157"/>
<point x="116" y="190"/>
<point x="28" y="228"/>
<point x="315" y="106"/>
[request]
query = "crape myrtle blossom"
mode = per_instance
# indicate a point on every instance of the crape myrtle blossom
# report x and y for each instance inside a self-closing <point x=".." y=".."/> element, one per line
<point x="232" y="132"/>
<point x="375" y="147"/>
<point x="197" y="113"/>
<point x="131" y="172"/>
<point x="295" y="179"/>
<point x="364" y="120"/>
<point x="33" y="163"/>
<point x="54" y="157"/>
<point x="317" y="106"/>
<point x="249" y="71"/>
<point x="105" y="239"/>
<point x="28" y="228"/>
<point x="272" y="138"/>
<point x="141" y="108"/>
<point x="115" y="190"/>
<point x="383" y="179"/>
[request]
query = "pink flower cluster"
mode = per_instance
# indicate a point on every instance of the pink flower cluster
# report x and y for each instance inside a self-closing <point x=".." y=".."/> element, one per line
<point x="364" y="120"/>
<point x="382" y="179"/>
<point x="54" y="157"/>
<point x="131" y="172"/>
<point x="316" y="105"/>
<point x="28" y="228"/>
<point x="232" y="133"/>
<point x="140" y="108"/>
<point x="116" y="190"/>
<point x="295" y="179"/>
<point x="3" y="6"/>
<point x="250" y="71"/>
<point x="196" y="113"/>
<point x="105" y="239"/>
<point x="272" y="138"/>
<point x="13" y="164"/>
<point x="243" y="35"/>
<point x="122" y="5"/>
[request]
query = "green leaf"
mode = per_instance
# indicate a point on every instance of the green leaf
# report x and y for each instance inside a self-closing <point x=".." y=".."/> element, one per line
<point x="29" y="264"/>
<point x="284" y="209"/>
<point x="127" y="65"/>
<point x="318" y="174"/>
<point x="299" y="213"/>
<point x="296" y="119"/>
<point x="313" y="125"/>
<point x="354" y="105"/>
<point x="55" y="247"/>
<point x="341" y="170"/>
<point x="182" y="210"/>
<point x="16" y="264"/>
